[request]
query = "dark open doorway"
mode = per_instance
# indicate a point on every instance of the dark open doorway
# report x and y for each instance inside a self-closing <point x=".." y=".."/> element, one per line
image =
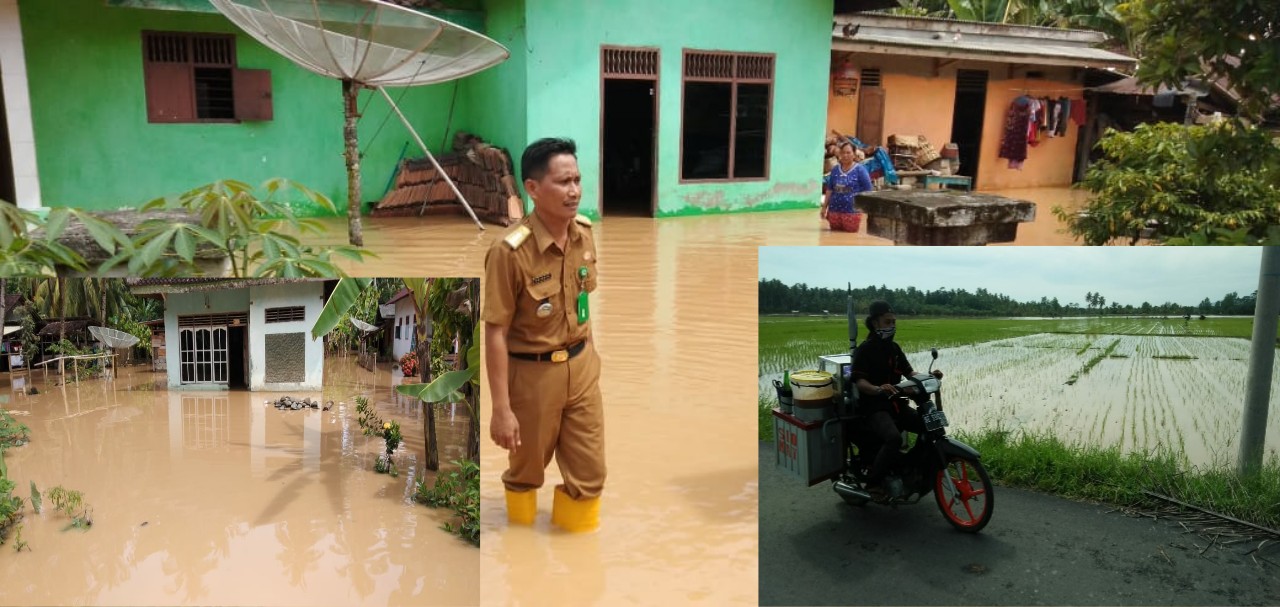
<point x="967" y="118"/>
<point x="8" y="191"/>
<point x="237" y="359"/>
<point x="628" y="146"/>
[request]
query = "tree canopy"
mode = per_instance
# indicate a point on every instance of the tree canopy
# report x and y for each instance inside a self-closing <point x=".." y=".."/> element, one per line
<point x="775" y="297"/>
<point x="1232" y="40"/>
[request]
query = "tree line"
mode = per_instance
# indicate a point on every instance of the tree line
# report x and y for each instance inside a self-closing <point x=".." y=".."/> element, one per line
<point x="778" y="298"/>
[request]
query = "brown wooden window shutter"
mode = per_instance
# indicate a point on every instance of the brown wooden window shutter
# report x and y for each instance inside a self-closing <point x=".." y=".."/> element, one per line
<point x="166" y="69"/>
<point x="192" y="77"/>
<point x="252" y="94"/>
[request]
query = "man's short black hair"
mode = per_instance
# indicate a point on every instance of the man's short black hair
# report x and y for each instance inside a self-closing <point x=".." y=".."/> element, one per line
<point x="537" y="157"/>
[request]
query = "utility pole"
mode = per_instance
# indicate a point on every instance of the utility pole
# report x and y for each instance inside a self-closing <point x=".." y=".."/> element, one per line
<point x="1266" y="316"/>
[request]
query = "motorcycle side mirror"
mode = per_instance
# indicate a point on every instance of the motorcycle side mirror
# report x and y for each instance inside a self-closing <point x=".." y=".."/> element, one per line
<point x="934" y="351"/>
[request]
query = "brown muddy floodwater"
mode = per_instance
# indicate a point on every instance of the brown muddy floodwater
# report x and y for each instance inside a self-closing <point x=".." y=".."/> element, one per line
<point x="216" y="498"/>
<point x="675" y="326"/>
<point x="451" y="245"/>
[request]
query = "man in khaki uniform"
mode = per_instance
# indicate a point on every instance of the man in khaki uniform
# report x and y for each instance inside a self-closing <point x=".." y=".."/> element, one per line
<point x="543" y="368"/>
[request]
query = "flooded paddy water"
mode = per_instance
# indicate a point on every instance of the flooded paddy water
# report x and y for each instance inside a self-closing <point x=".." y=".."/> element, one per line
<point x="214" y="497"/>
<point x="1143" y="393"/>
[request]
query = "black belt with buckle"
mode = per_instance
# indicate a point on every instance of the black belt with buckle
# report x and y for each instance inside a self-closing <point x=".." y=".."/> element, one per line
<point x="557" y="356"/>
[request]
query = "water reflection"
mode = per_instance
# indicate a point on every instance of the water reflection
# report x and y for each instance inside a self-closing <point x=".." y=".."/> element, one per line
<point x="217" y="497"/>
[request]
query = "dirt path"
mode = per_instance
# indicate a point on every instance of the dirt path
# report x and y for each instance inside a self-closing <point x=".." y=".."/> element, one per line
<point x="1037" y="550"/>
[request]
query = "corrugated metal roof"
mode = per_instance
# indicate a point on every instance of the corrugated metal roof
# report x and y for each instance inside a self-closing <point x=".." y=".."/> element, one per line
<point x="71" y="327"/>
<point x="153" y="286"/>
<point x="946" y="38"/>
<point x="401" y="294"/>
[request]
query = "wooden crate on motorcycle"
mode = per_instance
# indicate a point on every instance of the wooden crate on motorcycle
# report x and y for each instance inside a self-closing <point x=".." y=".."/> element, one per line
<point x="940" y="218"/>
<point x="810" y="451"/>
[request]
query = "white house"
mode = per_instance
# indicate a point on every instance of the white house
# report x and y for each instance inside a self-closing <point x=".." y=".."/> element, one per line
<point x="240" y="334"/>
<point x="404" y="319"/>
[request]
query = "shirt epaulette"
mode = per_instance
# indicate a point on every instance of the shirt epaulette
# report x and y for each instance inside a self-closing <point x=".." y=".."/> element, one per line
<point x="517" y="237"/>
<point x="582" y="219"/>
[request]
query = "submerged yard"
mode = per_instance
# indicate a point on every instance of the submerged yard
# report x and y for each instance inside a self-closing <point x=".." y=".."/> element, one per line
<point x="216" y="497"/>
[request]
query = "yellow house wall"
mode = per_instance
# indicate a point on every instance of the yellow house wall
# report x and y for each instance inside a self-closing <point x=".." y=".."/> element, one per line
<point x="920" y="100"/>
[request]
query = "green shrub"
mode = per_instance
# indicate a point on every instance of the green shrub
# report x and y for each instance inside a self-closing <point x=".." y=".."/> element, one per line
<point x="12" y="433"/>
<point x="1213" y="184"/>
<point x="459" y="491"/>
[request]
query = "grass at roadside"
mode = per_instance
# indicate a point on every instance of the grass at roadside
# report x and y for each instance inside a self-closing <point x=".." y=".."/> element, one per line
<point x="1045" y="463"/>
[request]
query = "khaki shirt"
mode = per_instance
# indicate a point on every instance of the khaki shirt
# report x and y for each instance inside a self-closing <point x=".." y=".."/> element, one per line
<point x="523" y="270"/>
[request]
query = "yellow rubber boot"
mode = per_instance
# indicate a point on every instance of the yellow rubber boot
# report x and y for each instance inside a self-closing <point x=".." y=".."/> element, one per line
<point x="575" y="515"/>
<point x="522" y="506"/>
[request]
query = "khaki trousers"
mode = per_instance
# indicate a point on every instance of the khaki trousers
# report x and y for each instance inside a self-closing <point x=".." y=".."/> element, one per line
<point x="561" y="413"/>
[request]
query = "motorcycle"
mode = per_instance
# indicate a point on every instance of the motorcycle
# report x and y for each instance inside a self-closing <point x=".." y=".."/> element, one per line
<point x="839" y="445"/>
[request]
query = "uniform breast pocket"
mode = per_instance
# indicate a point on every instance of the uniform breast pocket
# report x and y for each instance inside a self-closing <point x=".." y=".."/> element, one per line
<point x="543" y="298"/>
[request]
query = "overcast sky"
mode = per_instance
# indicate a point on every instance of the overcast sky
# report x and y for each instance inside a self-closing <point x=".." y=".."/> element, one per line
<point x="1127" y="275"/>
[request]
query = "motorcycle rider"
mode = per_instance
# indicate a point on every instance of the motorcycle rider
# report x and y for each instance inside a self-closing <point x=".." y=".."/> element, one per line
<point x="879" y="364"/>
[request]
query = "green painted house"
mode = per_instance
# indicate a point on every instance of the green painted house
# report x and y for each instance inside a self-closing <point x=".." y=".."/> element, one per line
<point x="677" y="107"/>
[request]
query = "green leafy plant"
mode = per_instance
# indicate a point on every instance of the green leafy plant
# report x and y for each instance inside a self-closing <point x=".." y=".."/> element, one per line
<point x="368" y="418"/>
<point x="29" y="243"/>
<point x="254" y="234"/>
<point x="1213" y="184"/>
<point x="459" y="490"/>
<point x="71" y="503"/>
<point x="444" y="389"/>
<point x="1231" y="41"/>
<point x="36" y="504"/>
<point x="76" y="368"/>
<point x="18" y="544"/>
<point x="12" y="433"/>
<point x="10" y="504"/>
<point x="136" y="329"/>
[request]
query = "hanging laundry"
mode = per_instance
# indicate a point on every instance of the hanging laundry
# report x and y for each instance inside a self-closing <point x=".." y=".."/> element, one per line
<point x="1033" y="124"/>
<point x="1078" y="114"/>
<point x="1063" y="115"/>
<point x="1013" y="145"/>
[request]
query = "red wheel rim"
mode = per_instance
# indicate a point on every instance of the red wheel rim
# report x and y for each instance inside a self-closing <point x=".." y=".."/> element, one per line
<point x="961" y="499"/>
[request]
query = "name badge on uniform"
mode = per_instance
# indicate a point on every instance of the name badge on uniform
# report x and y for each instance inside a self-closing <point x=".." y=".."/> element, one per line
<point x="584" y="314"/>
<point x="544" y="309"/>
<point x="541" y="279"/>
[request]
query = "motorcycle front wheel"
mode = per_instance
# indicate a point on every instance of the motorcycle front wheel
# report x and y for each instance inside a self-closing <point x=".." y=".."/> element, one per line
<point x="964" y="494"/>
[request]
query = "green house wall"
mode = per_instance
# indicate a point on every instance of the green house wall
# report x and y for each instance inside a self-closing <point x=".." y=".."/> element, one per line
<point x="96" y="150"/>
<point x="563" y="57"/>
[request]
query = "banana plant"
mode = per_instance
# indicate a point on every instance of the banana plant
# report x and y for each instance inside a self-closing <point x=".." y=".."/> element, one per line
<point x="344" y="298"/>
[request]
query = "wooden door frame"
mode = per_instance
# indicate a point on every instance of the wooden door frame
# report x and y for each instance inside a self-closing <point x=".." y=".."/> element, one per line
<point x="657" y="97"/>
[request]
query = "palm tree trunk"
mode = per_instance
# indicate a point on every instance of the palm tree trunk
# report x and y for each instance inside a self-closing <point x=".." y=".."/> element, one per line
<point x="424" y="372"/>
<point x="350" y="91"/>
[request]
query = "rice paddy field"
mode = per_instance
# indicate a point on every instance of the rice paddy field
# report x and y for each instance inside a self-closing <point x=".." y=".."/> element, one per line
<point x="1142" y="385"/>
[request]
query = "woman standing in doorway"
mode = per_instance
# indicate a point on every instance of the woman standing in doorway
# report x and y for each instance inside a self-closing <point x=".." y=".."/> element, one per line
<point x="846" y="180"/>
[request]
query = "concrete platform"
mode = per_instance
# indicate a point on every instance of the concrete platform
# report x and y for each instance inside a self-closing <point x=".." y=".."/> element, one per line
<point x="942" y="218"/>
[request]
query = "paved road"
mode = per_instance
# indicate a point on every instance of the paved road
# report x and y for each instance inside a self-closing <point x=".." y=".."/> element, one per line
<point x="1037" y="550"/>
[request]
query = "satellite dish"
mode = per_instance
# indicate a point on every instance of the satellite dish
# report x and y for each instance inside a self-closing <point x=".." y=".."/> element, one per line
<point x="112" y="338"/>
<point x="369" y="43"/>
<point x="363" y="326"/>
<point x="372" y="42"/>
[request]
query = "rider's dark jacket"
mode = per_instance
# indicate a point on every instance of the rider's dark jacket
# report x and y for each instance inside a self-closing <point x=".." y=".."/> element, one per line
<point x="879" y="361"/>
